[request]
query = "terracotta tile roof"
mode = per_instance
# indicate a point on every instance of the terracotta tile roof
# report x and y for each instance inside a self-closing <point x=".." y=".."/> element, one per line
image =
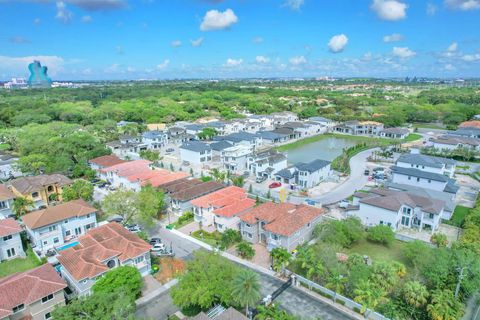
<point x="196" y="190"/>
<point x="470" y="124"/>
<point x="161" y="179"/>
<point x="236" y="208"/>
<point x="284" y="218"/>
<point x="106" y="161"/>
<point x="31" y="184"/>
<point x="220" y="198"/>
<point x="9" y="226"/>
<point x="5" y="193"/>
<point x="87" y="259"/>
<point x="71" y="209"/>
<point x="27" y="287"/>
<point x="128" y="167"/>
<point x="178" y="185"/>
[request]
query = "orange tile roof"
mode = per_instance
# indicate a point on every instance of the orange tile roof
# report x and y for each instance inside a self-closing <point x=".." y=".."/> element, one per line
<point x="235" y="208"/>
<point x="5" y="193"/>
<point x="267" y="212"/>
<point x="87" y="259"/>
<point x="71" y="209"/>
<point x="9" y="226"/>
<point x="470" y="124"/>
<point x="220" y="198"/>
<point x="128" y="167"/>
<point x="27" y="287"/>
<point x="106" y="161"/>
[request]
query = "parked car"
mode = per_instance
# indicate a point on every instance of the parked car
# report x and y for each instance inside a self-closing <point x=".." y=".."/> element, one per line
<point x="155" y="241"/>
<point x="169" y="150"/>
<point x="158" y="247"/>
<point x="275" y="185"/>
<point x="344" y="204"/>
<point x="260" y="179"/>
<point x="133" y="228"/>
<point x="366" y="172"/>
<point x="165" y="253"/>
<point x="185" y="163"/>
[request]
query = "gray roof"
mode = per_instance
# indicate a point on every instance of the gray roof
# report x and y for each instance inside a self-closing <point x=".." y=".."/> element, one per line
<point x="152" y="134"/>
<point x="455" y="140"/>
<point x="423" y="160"/>
<point x="284" y="130"/>
<point x="220" y="145"/>
<point x="238" y="137"/>
<point x="195" y="146"/>
<point x="215" y="124"/>
<point x="286" y="173"/>
<point x="319" y="119"/>
<point x="270" y="135"/>
<point x="195" y="127"/>
<point x="451" y="187"/>
<point x="419" y="173"/>
<point x="395" y="130"/>
<point x="312" y="166"/>
<point x="468" y="132"/>
<point x="294" y="124"/>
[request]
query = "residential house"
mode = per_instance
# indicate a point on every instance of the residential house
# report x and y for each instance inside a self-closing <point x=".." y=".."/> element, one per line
<point x="196" y="152"/>
<point x="423" y="179"/>
<point x="8" y="168"/>
<point x="300" y="128"/>
<point x="280" y="225"/>
<point x="266" y="121"/>
<point x="271" y="138"/>
<point x="43" y="190"/>
<point x="10" y="241"/>
<point x="328" y="123"/>
<point x="204" y="208"/>
<point x="394" y="133"/>
<point x="397" y="209"/>
<point x="104" y="162"/>
<point x="233" y="126"/>
<point x="427" y="163"/>
<point x="218" y="147"/>
<point x="266" y="163"/>
<point x="155" y="140"/>
<point x="178" y="135"/>
<point x="100" y="250"/>
<point x="451" y="142"/>
<point x="32" y="294"/>
<point x="156" y="127"/>
<point x="254" y="141"/>
<point x="234" y="158"/>
<point x="194" y="129"/>
<point x="57" y="225"/>
<point x="468" y="132"/>
<point x="252" y="125"/>
<point x="306" y="175"/>
<point x="127" y="146"/>
<point x="288" y="132"/>
<point x="280" y="118"/>
<point x="228" y="216"/>
<point x="219" y="126"/>
<point x="355" y="127"/>
<point x="6" y="202"/>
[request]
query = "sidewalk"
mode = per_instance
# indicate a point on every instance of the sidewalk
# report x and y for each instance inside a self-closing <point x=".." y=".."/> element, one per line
<point x="155" y="293"/>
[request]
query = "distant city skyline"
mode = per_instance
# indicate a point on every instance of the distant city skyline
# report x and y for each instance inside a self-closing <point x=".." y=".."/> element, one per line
<point x="166" y="39"/>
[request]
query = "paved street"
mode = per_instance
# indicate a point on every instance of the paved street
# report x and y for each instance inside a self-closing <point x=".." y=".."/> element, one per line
<point x="183" y="248"/>
<point x="160" y="308"/>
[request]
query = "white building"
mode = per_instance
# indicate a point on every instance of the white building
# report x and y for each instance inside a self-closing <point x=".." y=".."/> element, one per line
<point x="328" y="123"/>
<point x="266" y="163"/>
<point x="423" y="179"/>
<point x="155" y="140"/>
<point x="394" y="133"/>
<point x="234" y="158"/>
<point x="127" y="146"/>
<point x="450" y="142"/>
<point x="57" y="225"/>
<point x="195" y="152"/>
<point x="306" y="175"/>
<point x="6" y="202"/>
<point x="254" y="141"/>
<point x="438" y="165"/>
<point x="8" y="169"/>
<point x="10" y="241"/>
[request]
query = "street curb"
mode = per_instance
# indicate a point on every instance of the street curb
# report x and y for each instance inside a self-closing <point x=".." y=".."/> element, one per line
<point x="155" y="293"/>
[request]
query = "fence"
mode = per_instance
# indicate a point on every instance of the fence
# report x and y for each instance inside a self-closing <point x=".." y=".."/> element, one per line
<point x="406" y="238"/>
<point x="337" y="298"/>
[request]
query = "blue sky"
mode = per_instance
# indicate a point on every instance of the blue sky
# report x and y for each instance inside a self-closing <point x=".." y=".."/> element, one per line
<point x="157" y="39"/>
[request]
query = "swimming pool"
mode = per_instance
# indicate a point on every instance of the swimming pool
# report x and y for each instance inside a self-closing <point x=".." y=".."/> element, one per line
<point x="68" y="245"/>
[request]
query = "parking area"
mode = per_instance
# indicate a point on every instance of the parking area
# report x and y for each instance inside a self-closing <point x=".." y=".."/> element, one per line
<point x="467" y="194"/>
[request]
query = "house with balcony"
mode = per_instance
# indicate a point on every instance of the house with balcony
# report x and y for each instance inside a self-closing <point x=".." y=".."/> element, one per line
<point x="363" y="128"/>
<point x="104" y="162"/>
<point x="397" y="209"/>
<point x="254" y="141"/>
<point x="266" y="163"/>
<point x="127" y="146"/>
<point x="217" y="148"/>
<point x="394" y="133"/>
<point x="423" y="179"/>
<point x="32" y="294"/>
<point x="234" y="158"/>
<point x="155" y="140"/>
<point x="43" y="190"/>
<point x="100" y="250"/>
<point x="426" y="163"/>
<point x="178" y="135"/>
<point x="195" y="152"/>
<point x="10" y="241"/>
<point x="306" y="175"/>
<point x="57" y="225"/>
<point x="280" y="224"/>
<point x="6" y="202"/>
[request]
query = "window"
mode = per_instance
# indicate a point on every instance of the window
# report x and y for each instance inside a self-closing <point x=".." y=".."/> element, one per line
<point x="138" y="260"/>
<point x="11" y="252"/>
<point x="3" y="204"/>
<point x="47" y="298"/>
<point x="55" y="240"/>
<point x="430" y="216"/>
<point x="68" y="233"/>
<point x="274" y="236"/>
<point x="52" y="228"/>
<point x="247" y="225"/>
<point x="429" y="181"/>
<point x="389" y="224"/>
<point x="48" y="315"/>
<point x="50" y="188"/>
<point x="18" y="308"/>
<point x="409" y="178"/>
<point x="35" y="195"/>
<point x="45" y="242"/>
<point x="309" y="225"/>
<point x="405" y="221"/>
<point x="418" y="179"/>
<point x="111" y="264"/>
<point x="66" y="221"/>
<point x="6" y="238"/>
<point x="381" y="222"/>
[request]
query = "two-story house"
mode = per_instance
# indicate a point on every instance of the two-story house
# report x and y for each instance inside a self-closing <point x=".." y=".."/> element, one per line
<point x="271" y="138"/>
<point x="234" y="159"/>
<point x="196" y="152"/>
<point x="423" y="179"/>
<point x="6" y="202"/>
<point x="127" y="146"/>
<point x="427" y="163"/>
<point x="451" y="142"/>
<point x="57" y="225"/>
<point x="100" y="250"/>
<point x="155" y="140"/>
<point x="254" y="141"/>
<point x="355" y="127"/>
<point x="283" y="117"/>
<point x="178" y="135"/>
<point x="266" y="163"/>
<point x="32" y="294"/>
<point x="328" y="123"/>
<point x="280" y="225"/>
<point x="397" y="209"/>
<point x="306" y="175"/>
<point x="10" y="241"/>
<point x="104" y="162"/>
<point x="42" y="190"/>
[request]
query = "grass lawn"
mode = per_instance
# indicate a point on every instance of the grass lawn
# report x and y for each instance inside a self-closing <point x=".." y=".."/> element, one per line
<point x="379" y="252"/>
<point x="179" y="224"/>
<point x="458" y="216"/>
<point x="427" y="125"/>
<point x="413" y="137"/>
<point x="209" y="238"/>
<point x="19" y="264"/>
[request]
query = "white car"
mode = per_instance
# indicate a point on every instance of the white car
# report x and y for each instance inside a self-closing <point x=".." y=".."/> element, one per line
<point x="158" y="247"/>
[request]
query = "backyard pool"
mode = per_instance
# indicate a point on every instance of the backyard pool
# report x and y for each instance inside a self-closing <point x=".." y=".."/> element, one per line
<point x="325" y="149"/>
<point x="68" y="245"/>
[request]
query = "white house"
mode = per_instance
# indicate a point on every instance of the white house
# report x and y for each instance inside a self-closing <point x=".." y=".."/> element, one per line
<point x="394" y="133"/>
<point x="423" y="179"/>
<point x="6" y="202"/>
<point x="271" y="138"/>
<point x="397" y="209"/>
<point x="155" y="139"/>
<point x="451" y="142"/>
<point x="234" y="158"/>
<point x="10" y="241"/>
<point x="251" y="140"/>
<point x="328" y="123"/>
<point x="280" y="118"/>
<point x="8" y="168"/>
<point x="426" y="163"/>
<point x="104" y="162"/>
<point x="355" y="127"/>
<point x="127" y="146"/>
<point x="100" y="250"/>
<point x="266" y="163"/>
<point x="55" y="226"/>
<point x="306" y="175"/>
<point x="195" y="152"/>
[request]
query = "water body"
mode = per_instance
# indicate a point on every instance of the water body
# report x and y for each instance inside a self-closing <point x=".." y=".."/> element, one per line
<point x="325" y="149"/>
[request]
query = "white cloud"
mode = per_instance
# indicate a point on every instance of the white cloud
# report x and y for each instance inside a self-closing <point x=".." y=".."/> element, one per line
<point x="453" y="47"/>
<point x="257" y="40"/>
<point x="431" y="9"/>
<point x="197" y="43"/>
<point x="294" y="4"/>
<point x="471" y="57"/>
<point x="394" y="37"/>
<point x="163" y="65"/>
<point x="37" y="21"/>
<point x="131" y="69"/>
<point x="262" y="59"/>
<point x="464" y="5"/>
<point x="391" y="10"/>
<point x="63" y="14"/>
<point x="233" y="62"/>
<point x="449" y="67"/>
<point x="176" y="43"/>
<point x="19" y="65"/>
<point x="216" y="20"/>
<point x="403" y="52"/>
<point x="297" y="60"/>
<point x="337" y="43"/>
<point x="87" y="19"/>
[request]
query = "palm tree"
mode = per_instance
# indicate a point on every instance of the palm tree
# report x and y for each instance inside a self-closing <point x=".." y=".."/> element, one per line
<point x="415" y="294"/>
<point x="281" y="258"/>
<point x="444" y="306"/>
<point x="309" y="263"/>
<point x="336" y="282"/>
<point x="246" y="289"/>
<point x="368" y="295"/>
<point x="21" y="206"/>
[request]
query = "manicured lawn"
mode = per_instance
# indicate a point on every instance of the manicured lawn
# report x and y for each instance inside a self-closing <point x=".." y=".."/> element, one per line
<point x="19" y="264"/>
<point x="379" y="252"/>
<point x="209" y="238"/>
<point x="427" y="125"/>
<point x="458" y="216"/>
<point x="413" y="137"/>
<point x="179" y="224"/>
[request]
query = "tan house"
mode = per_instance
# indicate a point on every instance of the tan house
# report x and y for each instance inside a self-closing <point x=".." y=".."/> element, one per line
<point x="31" y="294"/>
<point x="42" y="190"/>
<point x="156" y="126"/>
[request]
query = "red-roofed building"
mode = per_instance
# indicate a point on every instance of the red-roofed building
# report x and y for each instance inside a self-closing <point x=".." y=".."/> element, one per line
<point x="101" y="249"/>
<point x="10" y="242"/>
<point x="104" y="162"/>
<point x="280" y="225"/>
<point x="221" y="208"/>
<point x="32" y="294"/>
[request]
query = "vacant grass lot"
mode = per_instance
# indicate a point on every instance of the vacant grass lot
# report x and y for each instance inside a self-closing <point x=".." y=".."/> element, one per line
<point x="458" y="216"/>
<point x="379" y="252"/>
<point x="19" y="264"/>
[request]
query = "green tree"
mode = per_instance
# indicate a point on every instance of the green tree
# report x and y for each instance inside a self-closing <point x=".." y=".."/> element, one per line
<point x="149" y="155"/>
<point x="150" y="202"/>
<point x="123" y="203"/>
<point x="439" y="239"/>
<point x="22" y="205"/>
<point x="246" y="288"/>
<point x="281" y="258"/>
<point x="245" y="250"/>
<point x="342" y="232"/>
<point x="122" y="279"/>
<point x="34" y="163"/>
<point x="238" y="181"/>
<point x="272" y="312"/>
<point x="415" y="294"/>
<point x="79" y="189"/>
<point x="207" y="133"/>
<point x="444" y="306"/>
<point x="368" y="295"/>
<point x="381" y="234"/>
<point x="230" y="237"/>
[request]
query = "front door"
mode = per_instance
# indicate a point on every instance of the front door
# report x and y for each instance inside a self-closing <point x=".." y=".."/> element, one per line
<point x="78" y="231"/>
<point x="263" y="238"/>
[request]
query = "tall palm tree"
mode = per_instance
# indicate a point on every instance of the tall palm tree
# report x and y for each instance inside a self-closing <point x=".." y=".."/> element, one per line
<point x="415" y="294"/>
<point x="444" y="306"/>
<point x="368" y="295"/>
<point x="21" y="206"/>
<point x="281" y="258"/>
<point x="246" y="289"/>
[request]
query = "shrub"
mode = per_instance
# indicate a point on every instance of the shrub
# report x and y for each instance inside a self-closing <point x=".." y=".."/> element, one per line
<point x="381" y="234"/>
<point x="439" y="239"/>
<point x="186" y="216"/>
<point x="126" y="279"/>
<point x="341" y="232"/>
<point x="245" y="250"/>
<point x="230" y="237"/>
